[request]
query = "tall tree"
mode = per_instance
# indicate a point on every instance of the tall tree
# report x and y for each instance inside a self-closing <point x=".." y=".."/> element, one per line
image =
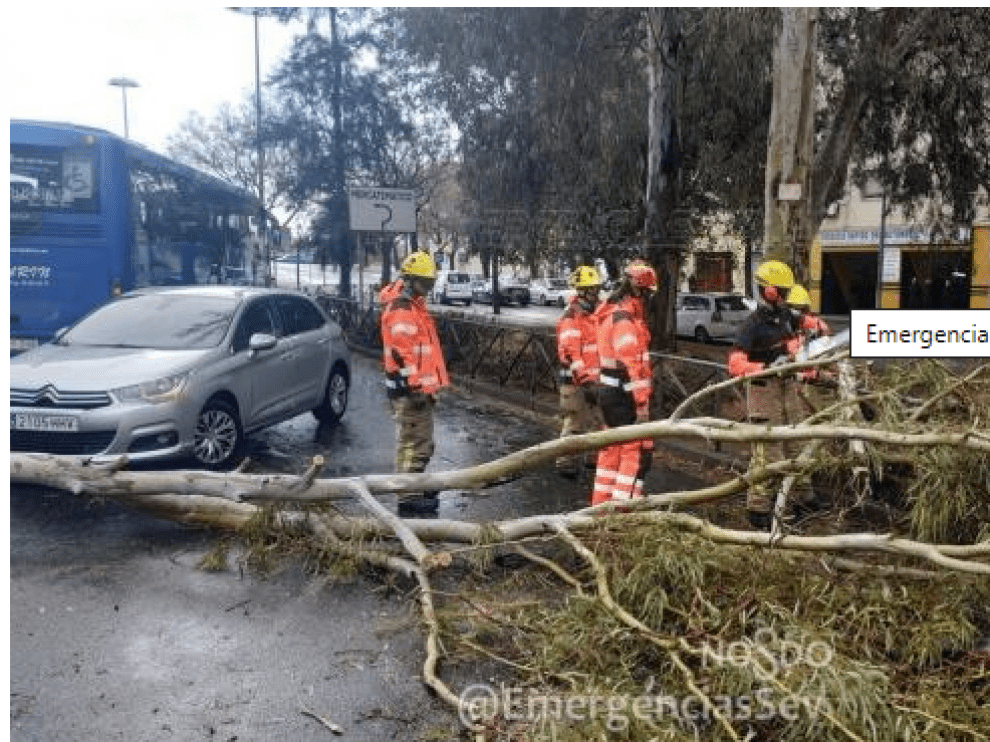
<point x="900" y="91"/>
<point x="225" y="146"/>
<point x="663" y="168"/>
<point x="787" y="227"/>
<point x="336" y="113"/>
<point x="905" y="96"/>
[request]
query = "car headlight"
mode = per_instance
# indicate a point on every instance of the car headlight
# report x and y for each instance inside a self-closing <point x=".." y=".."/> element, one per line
<point x="160" y="390"/>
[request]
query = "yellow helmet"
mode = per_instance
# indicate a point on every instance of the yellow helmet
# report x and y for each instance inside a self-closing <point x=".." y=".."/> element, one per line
<point x="774" y="273"/>
<point x="584" y="277"/>
<point x="419" y="264"/>
<point x="798" y="297"/>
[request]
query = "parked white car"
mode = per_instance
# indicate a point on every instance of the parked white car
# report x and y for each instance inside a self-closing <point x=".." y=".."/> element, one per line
<point x="550" y="291"/>
<point x="708" y="317"/>
<point x="452" y="286"/>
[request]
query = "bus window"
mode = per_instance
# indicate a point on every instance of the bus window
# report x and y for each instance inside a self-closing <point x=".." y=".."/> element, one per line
<point x="53" y="179"/>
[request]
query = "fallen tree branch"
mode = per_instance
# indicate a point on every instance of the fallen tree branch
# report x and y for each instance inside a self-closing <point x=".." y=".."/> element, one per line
<point x="79" y="476"/>
<point x="888" y="544"/>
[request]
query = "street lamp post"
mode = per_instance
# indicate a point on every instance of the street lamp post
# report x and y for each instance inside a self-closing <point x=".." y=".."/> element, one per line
<point x="262" y="226"/>
<point x="123" y="83"/>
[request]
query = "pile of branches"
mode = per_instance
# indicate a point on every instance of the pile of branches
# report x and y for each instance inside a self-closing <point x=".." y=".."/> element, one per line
<point x="658" y="621"/>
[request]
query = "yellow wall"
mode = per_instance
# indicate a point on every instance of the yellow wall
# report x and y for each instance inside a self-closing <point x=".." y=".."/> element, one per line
<point x="979" y="292"/>
<point x="815" y="276"/>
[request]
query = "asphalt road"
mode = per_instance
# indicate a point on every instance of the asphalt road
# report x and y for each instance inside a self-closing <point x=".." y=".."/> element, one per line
<point x="116" y="634"/>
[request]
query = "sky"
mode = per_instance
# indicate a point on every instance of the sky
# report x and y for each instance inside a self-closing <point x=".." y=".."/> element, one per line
<point x="184" y="56"/>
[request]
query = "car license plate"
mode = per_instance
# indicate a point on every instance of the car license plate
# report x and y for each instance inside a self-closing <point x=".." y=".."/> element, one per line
<point x="43" y="422"/>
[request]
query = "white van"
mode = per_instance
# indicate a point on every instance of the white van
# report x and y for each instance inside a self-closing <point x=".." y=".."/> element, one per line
<point x="452" y="286"/>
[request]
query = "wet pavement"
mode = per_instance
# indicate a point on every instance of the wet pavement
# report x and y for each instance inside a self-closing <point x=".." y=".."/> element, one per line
<point x="117" y="634"/>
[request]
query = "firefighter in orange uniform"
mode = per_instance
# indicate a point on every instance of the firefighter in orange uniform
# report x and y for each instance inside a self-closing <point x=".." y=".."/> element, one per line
<point x="806" y="322"/>
<point x="577" y="351"/>
<point x="414" y="370"/>
<point x="625" y="383"/>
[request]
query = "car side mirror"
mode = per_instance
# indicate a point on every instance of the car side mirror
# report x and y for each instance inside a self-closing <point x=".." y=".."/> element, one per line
<point x="262" y="341"/>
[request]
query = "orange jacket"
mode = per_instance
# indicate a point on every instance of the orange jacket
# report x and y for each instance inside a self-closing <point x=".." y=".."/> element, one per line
<point x="577" y="345"/>
<point x="412" y="350"/>
<point x="624" y="349"/>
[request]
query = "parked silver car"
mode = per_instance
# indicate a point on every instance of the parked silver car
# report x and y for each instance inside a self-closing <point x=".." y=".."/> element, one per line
<point x="707" y="317"/>
<point x="510" y="291"/>
<point x="170" y="372"/>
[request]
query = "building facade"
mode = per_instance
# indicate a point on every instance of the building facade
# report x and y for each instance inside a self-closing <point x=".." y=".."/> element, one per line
<point x="917" y="264"/>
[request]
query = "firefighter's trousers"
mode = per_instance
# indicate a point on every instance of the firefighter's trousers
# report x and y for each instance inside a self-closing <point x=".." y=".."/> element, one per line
<point x="578" y="415"/>
<point x="621" y="467"/>
<point x="773" y="402"/>
<point x="413" y="415"/>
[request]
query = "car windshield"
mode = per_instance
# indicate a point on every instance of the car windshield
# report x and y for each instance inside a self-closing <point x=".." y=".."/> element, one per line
<point x="163" y="321"/>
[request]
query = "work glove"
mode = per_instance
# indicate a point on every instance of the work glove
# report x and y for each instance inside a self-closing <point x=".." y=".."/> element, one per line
<point x="642" y="417"/>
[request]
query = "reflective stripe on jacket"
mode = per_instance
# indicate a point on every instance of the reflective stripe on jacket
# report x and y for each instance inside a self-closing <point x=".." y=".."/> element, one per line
<point x="623" y="349"/>
<point x="577" y="345"/>
<point x="411" y="345"/>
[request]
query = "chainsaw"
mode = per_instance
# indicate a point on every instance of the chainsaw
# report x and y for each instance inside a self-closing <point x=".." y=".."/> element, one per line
<point x="822" y="346"/>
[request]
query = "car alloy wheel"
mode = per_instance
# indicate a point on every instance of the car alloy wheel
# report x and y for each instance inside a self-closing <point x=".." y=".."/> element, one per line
<point x="218" y="434"/>
<point x="335" y="399"/>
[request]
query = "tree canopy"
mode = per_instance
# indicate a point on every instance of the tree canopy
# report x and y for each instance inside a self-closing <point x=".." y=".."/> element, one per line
<point x="549" y="110"/>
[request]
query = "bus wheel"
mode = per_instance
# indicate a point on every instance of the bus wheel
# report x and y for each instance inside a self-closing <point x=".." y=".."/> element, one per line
<point x="334" y="402"/>
<point x="218" y="435"/>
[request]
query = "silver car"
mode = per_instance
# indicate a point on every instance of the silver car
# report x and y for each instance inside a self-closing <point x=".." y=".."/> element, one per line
<point x="166" y="373"/>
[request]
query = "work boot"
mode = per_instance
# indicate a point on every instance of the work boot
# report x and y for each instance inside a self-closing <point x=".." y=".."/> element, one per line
<point x="759" y="520"/>
<point x="425" y="506"/>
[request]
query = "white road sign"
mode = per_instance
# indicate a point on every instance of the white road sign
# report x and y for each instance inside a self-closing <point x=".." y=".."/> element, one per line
<point x="382" y="209"/>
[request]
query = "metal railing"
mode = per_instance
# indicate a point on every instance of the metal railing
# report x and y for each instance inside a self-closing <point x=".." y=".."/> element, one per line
<point x="524" y="359"/>
<point x="521" y="358"/>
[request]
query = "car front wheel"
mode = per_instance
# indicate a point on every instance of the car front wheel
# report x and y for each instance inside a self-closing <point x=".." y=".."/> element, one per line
<point x="334" y="402"/>
<point x="217" y="438"/>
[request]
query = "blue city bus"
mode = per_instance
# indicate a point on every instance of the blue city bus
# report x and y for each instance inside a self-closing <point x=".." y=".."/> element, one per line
<point x="93" y="215"/>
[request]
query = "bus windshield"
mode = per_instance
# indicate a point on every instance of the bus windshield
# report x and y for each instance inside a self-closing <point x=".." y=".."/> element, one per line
<point x="53" y="179"/>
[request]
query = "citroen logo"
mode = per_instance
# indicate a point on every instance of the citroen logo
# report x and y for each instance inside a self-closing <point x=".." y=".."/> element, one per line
<point x="47" y="397"/>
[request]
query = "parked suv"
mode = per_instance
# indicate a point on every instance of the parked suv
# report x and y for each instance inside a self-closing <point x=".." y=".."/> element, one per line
<point x="452" y="286"/>
<point x="708" y="317"/>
